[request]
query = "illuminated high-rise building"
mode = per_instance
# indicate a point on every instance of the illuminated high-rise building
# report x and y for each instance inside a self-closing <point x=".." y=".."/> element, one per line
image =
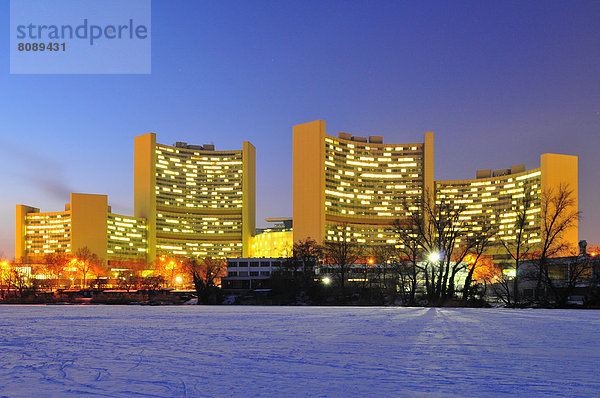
<point x="87" y="221"/>
<point x="349" y="187"/>
<point x="495" y="198"/>
<point x="193" y="200"/>
<point x="197" y="201"/>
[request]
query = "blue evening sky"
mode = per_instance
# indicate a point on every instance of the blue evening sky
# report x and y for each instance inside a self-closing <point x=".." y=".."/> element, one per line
<point x="499" y="82"/>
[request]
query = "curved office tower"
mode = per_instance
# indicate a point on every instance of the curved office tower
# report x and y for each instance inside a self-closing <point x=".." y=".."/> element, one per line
<point x="354" y="187"/>
<point x="198" y="201"/>
<point x="494" y="198"/>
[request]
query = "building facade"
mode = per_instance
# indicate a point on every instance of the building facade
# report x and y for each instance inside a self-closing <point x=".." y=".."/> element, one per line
<point x="197" y="201"/>
<point x="275" y="241"/>
<point x="354" y="187"/>
<point x="495" y="198"/>
<point x="250" y="273"/>
<point x="87" y="221"/>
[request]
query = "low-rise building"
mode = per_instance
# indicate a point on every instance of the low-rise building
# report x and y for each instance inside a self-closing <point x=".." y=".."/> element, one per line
<point x="569" y="277"/>
<point x="250" y="273"/>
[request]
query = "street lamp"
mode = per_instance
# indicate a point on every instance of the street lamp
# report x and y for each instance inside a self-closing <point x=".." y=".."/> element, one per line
<point x="435" y="257"/>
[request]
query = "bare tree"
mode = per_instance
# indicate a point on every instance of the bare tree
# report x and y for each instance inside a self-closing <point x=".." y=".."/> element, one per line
<point x="306" y="255"/>
<point x="342" y="254"/>
<point x="519" y="245"/>
<point x="409" y="251"/>
<point x="437" y="239"/>
<point x="378" y="265"/>
<point x="479" y="242"/>
<point x="491" y="274"/>
<point x="205" y="274"/>
<point x="6" y="276"/>
<point x="168" y="267"/>
<point x="444" y="243"/>
<point x="86" y="263"/>
<point x="55" y="264"/>
<point x="20" y="280"/>
<point x="130" y="275"/>
<point x="558" y="216"/>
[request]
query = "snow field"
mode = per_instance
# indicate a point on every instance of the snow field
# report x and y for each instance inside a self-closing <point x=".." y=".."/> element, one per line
<point x="201" y="351"/>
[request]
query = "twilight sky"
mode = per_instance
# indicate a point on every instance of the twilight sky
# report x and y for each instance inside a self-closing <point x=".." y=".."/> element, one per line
<point x="499" y="83"/>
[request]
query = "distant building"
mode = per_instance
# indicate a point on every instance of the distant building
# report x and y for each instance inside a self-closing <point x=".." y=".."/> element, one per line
<point x="356" y="187"/>
<point x="87" y="221"/>
<point x="275" y="241"/>
<point x="197" y="201"/>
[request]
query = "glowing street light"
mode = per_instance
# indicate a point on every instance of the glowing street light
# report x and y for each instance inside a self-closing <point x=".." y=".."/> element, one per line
<point x="326" y="280"/>
<point x="434" y="257"/>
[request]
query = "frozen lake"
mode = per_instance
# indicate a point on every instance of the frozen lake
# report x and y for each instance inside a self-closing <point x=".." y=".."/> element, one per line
<point x="197" y="351"/>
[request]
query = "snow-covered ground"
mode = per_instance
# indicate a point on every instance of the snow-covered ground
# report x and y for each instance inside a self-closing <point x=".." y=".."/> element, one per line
<point x="194" y="351"/>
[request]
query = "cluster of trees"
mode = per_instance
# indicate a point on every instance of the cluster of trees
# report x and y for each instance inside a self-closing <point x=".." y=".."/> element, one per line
<point x="83" y="266"/>
<point x="530" y="254"/>
<point x="82" y="269"/>
<point x="441" y="256"/>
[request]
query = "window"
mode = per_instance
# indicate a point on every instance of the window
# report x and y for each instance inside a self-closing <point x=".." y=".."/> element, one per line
<point x="243" y="264"/>
<point x="264" y="264"/>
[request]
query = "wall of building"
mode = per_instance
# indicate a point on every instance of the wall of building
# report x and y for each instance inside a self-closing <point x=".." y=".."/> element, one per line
<point x="272" y="244"/>
<point x="201" y="202"/>
<point x="126" y="238"/>
<point x="38" y="234"/>
<point x="496" y="200"/>
<point x="248" y="196"/>
<point x="250" y="273"/>
<point x="145" y="186"/>
<point x="21" y="213"/>
<point x="88" y="223"/>
<point x="309" y="181"/>
<point x="353" y="187"/>
<point x="561" y="171"/>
